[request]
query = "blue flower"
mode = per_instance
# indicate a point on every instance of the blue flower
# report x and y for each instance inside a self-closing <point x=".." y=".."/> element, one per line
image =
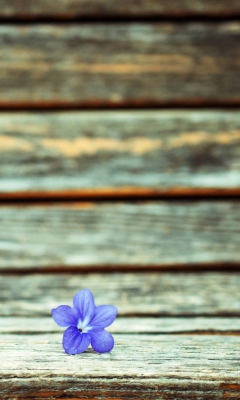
<point x="86" y="323"/>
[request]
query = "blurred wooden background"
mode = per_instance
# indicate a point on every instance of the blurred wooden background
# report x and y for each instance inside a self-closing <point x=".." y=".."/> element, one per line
<point x="120" y="171"/>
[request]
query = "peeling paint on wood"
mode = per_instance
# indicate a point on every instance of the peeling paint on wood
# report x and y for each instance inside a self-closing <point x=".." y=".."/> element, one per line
<point x="13" y="144"/>
<point x="91" y="146"/>
<point x="196" y="138"/>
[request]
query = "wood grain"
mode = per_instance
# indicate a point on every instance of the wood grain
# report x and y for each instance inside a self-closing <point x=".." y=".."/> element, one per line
<point x="119" y="64"/>
<point x="139" y="367"/>
<point x="134" y="294"/>
<point x="223" y="325"/>
<point x="66" y="9"/>
<point x="92" y="235"/>
<point x="125" y="152"/>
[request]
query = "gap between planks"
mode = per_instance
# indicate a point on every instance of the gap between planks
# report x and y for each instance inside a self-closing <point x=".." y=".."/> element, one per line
<point x="107" y="9"/>
<point x="134" y="104"/>
<point x="56" y="107"/>
<point x="119" y="19"/>
<point x="119" y="194"/>
<point x="229" y="267"/>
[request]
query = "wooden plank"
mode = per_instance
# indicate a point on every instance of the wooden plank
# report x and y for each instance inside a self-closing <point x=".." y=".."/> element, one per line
<point x="134" y="294"/>
<point x="90" y="235"/>
<point x="119" y="64"/>
<point x="66" y="9"/>
<point x="139" y="367"/>
<point x="126" y="152"/>
<point x="224" y="325"/>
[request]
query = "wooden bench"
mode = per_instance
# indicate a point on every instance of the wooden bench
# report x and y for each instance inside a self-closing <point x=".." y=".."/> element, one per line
<point x="120" y="172"/>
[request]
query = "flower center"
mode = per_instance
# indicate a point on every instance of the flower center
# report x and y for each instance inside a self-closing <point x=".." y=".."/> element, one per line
<point x="83" y="324"/>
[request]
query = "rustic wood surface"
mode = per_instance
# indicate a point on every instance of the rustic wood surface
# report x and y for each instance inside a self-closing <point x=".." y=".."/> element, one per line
<point x="204" y="325"/>
<point x="177" y="335"/>
<point x="109" y="8"/>
<point x="119" y="64"/>
<point x="140" y="367"/>
<point x="134" y="294"/>
<point x="123" y="234"/>
<point x="117" y="151"/>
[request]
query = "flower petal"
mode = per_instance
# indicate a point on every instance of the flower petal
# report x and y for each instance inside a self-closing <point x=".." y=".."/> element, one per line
<point x="75" y="342"/>
<point x="103" y="316"/>
<point x="64" y="316"/>
<point x="101" y="341"/>
<point x="84" y="303"/>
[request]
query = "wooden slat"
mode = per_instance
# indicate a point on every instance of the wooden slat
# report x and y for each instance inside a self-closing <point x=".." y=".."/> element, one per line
<point x="119" y="152"/>
<point x="139" y="367"/>
<point x="33" y="325"/>
<point x="93" y="235"/>
<point x="119" y="64"/>
<point x="134" y="294"/>
<point x="96" y="235"/>
<point x="109" y="8"/>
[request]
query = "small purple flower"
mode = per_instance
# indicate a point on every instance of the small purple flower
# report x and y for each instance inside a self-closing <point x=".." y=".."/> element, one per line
<point x="86" y="323"/>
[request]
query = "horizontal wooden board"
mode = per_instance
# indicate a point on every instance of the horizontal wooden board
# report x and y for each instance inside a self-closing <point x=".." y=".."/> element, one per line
<point x="134" y="294"/>
<point x="119" y="64"/>
<point x="127" y="152"/>
<point x="34" y="325"/>
<point x="66" y="9"/>
<point x="139" y="367"/>
<point x="91" y="235"/>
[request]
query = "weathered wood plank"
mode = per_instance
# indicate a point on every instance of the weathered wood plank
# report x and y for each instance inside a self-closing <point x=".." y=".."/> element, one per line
<point x="117" y="151"/>
<point x="119" y="64"/>
<point x="139" y="367"/>
<point x="33" y="325"/>
<point x="134" y="294"/>
<point x="122" y="234"/>
<point x="90" y="235"/>
<point x="66" y="9"/>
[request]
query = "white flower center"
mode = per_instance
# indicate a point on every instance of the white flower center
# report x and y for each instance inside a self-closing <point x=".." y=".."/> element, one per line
<point x="83" y="325"/>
